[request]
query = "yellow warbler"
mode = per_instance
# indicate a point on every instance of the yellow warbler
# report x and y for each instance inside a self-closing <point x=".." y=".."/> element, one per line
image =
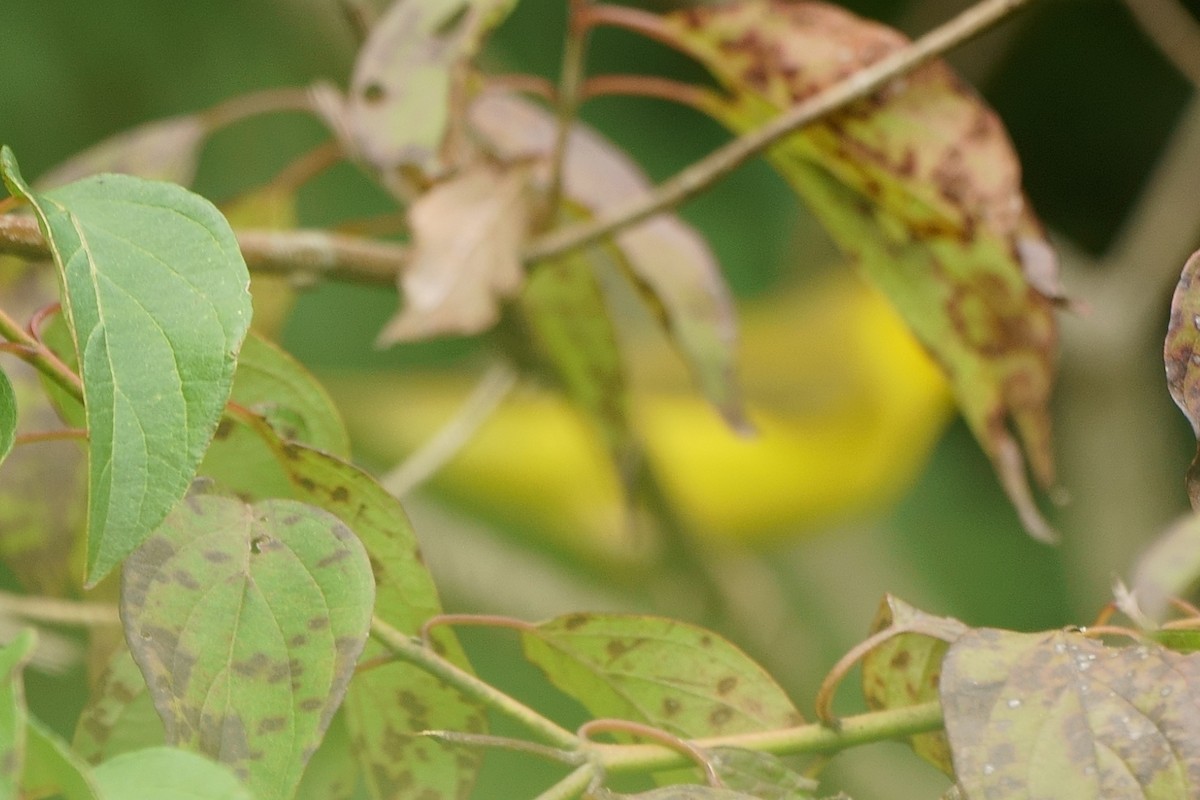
<point x="845" y="403"/>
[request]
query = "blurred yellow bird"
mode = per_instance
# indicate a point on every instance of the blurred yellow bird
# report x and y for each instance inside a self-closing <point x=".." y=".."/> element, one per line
<point x="846" y="405"/>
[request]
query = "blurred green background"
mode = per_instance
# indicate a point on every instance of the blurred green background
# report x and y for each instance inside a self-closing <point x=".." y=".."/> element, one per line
<point x="1107" y="131"/>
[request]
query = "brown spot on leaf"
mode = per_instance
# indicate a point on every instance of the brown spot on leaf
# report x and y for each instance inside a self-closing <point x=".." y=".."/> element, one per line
<point x="575" y="621"/>
<point x="720" y="715"/>
<point x="312" y="704"/>
<point x="726" y="685"/>
<point x="340" y="494"/>
<point x="671" y="706"/>
<point x="271" y="724"/>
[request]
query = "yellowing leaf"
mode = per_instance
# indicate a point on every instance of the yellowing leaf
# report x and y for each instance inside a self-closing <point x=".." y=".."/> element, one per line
<point x="665" y="257"/>
<point x="1060" y="715"/>
<point x="919" y="184"/>
<point x="467" y="239"/>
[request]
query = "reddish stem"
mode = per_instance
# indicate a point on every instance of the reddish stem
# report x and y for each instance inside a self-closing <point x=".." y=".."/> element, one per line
<point x="50" y="436"/>
<point x="645" y="86"/>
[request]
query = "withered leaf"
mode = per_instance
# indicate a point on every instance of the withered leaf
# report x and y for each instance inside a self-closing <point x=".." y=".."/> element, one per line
<point x="165" y="150"/>
<point x="1181" y="352"/>
<point x="919" y="184"/>
<point x="467" y="237"/>
<point x="1057" y="714"/>
<point x="1170" y="567"/>
<point x="665" y="257"/>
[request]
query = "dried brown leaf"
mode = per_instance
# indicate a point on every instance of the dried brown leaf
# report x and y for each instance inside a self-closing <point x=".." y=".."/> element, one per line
<point x="1181" y="352"/>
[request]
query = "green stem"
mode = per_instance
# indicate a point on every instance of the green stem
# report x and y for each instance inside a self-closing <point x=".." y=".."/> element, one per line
<point x="569" y="96"/>
<point x="410" y="650"/>
<point x="875" y="726"/>
<point x="571" y="786"/>
<point x="40" y="357"/>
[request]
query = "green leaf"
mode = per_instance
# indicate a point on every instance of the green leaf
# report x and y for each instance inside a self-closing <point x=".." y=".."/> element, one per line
<point x="167" y="773"/>
<point x="1060" y="715"/>
<point x="761" y="775"/>
<point x="387" y="705"/>
<point x="1180" y="352"/>
<point x="162" y="150"/>
<point x="905" y="669"/>
<point x="668" y="674"/>
<point x="52" y="770"/>
<point x="665" y="258"/>
<point x="920" y="186"/>
<point x="247" y="621"/>
<point x="332" y="772"/>
<point x="119" y="716"/>
<point x="156" y="293"/>
<point x="398" y="110"/>
<point x="13" y="713"/>
<point x="8" y="416"/>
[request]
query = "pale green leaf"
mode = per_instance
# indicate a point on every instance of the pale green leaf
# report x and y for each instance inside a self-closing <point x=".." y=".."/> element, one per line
<point x="388" y="705"/>
<point x="1056" y="714"/>
<point x="247" y="621"/>
<point x="13" y="713"/>
<point x="119" y="716"/>
<point x="156" y="294"/>
<point x="761" y="775"/>
<point x="668" y="674"/>
<point x="920" y="186"/>
<point x="167" y="773"/>
<point x="8" y="416"/>
<point x="398" y="109"/>
<point x="333" y="771"/>
<point x="53" y="770"/>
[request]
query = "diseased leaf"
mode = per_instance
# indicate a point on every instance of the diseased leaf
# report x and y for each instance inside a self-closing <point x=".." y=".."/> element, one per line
<point x="668" y="674"/>
<point x="167" y="773"/>
<point x="388" y="705"/>
<point x="156" y="294"/>
<point x="919" y="184"/>
<point x="52" y="770"/>
<point x="399" y="110"/>
<point x="163" y="150"/>
<point x="1181" y="352"/>
<point x="904" y="670"/>
<point x="665" y="257"/>
<point x="119" y="716"/>
<point x="8" y="416"/>
<point x="761" y="775"/>
<point x="467" y="238"/>
<point x="247" y="621"/>
<point x="1059" y="715"/>
<point x="13" y="713"/>
<point x="1169" y="568"/>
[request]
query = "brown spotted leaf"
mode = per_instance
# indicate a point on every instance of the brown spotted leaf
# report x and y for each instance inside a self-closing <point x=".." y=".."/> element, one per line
<point x="905" y="669"/>
<point x="467" y="238"/>
<point x="119" y="716"/>
<point x="1182" y="355"/>
<point x="665" y="257"/>
<point x="668" y="674"/>
<point x="920" y="186"/>
<point x="247" y="621"/>
<point x="388" y="706"/>
<point x="399" y="109"/>
<point x="1056" y="714"/>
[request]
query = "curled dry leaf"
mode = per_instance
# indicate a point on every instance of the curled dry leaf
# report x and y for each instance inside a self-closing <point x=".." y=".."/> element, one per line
<point x="164" y="150"/>
<point x="919" y="184"/>
<point x="1056" y="714"/>
<point x="467" y="238"/>
<point x="1181" y="352"/>
<point x="1169" y="568"/>
<point x="666" y="258"/>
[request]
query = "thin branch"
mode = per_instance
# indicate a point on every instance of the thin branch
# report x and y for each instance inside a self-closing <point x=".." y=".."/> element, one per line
<point x="702" y="174"/>
<point x="569" y="98"/>
<point x="686" y="94"/>
<point x="420" y="466"/>
<point x="410" y="650"/>
<point x="571" y="786"/>
<point x="39" y="356"/>
<point x="267" y="101"/>
<point x="58" y="612"/>
<point x="685" y="748"/>
<point x="62" y="434"/>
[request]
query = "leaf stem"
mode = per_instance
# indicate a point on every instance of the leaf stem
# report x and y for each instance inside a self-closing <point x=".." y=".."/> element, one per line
<point x="571" y="786"/>
<point x="59" y="612"/>
<point x="39" y="356"/>
<point x="410" y="650"/>
<point x="697" y="177"/>
<point x="569" y="97"/>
